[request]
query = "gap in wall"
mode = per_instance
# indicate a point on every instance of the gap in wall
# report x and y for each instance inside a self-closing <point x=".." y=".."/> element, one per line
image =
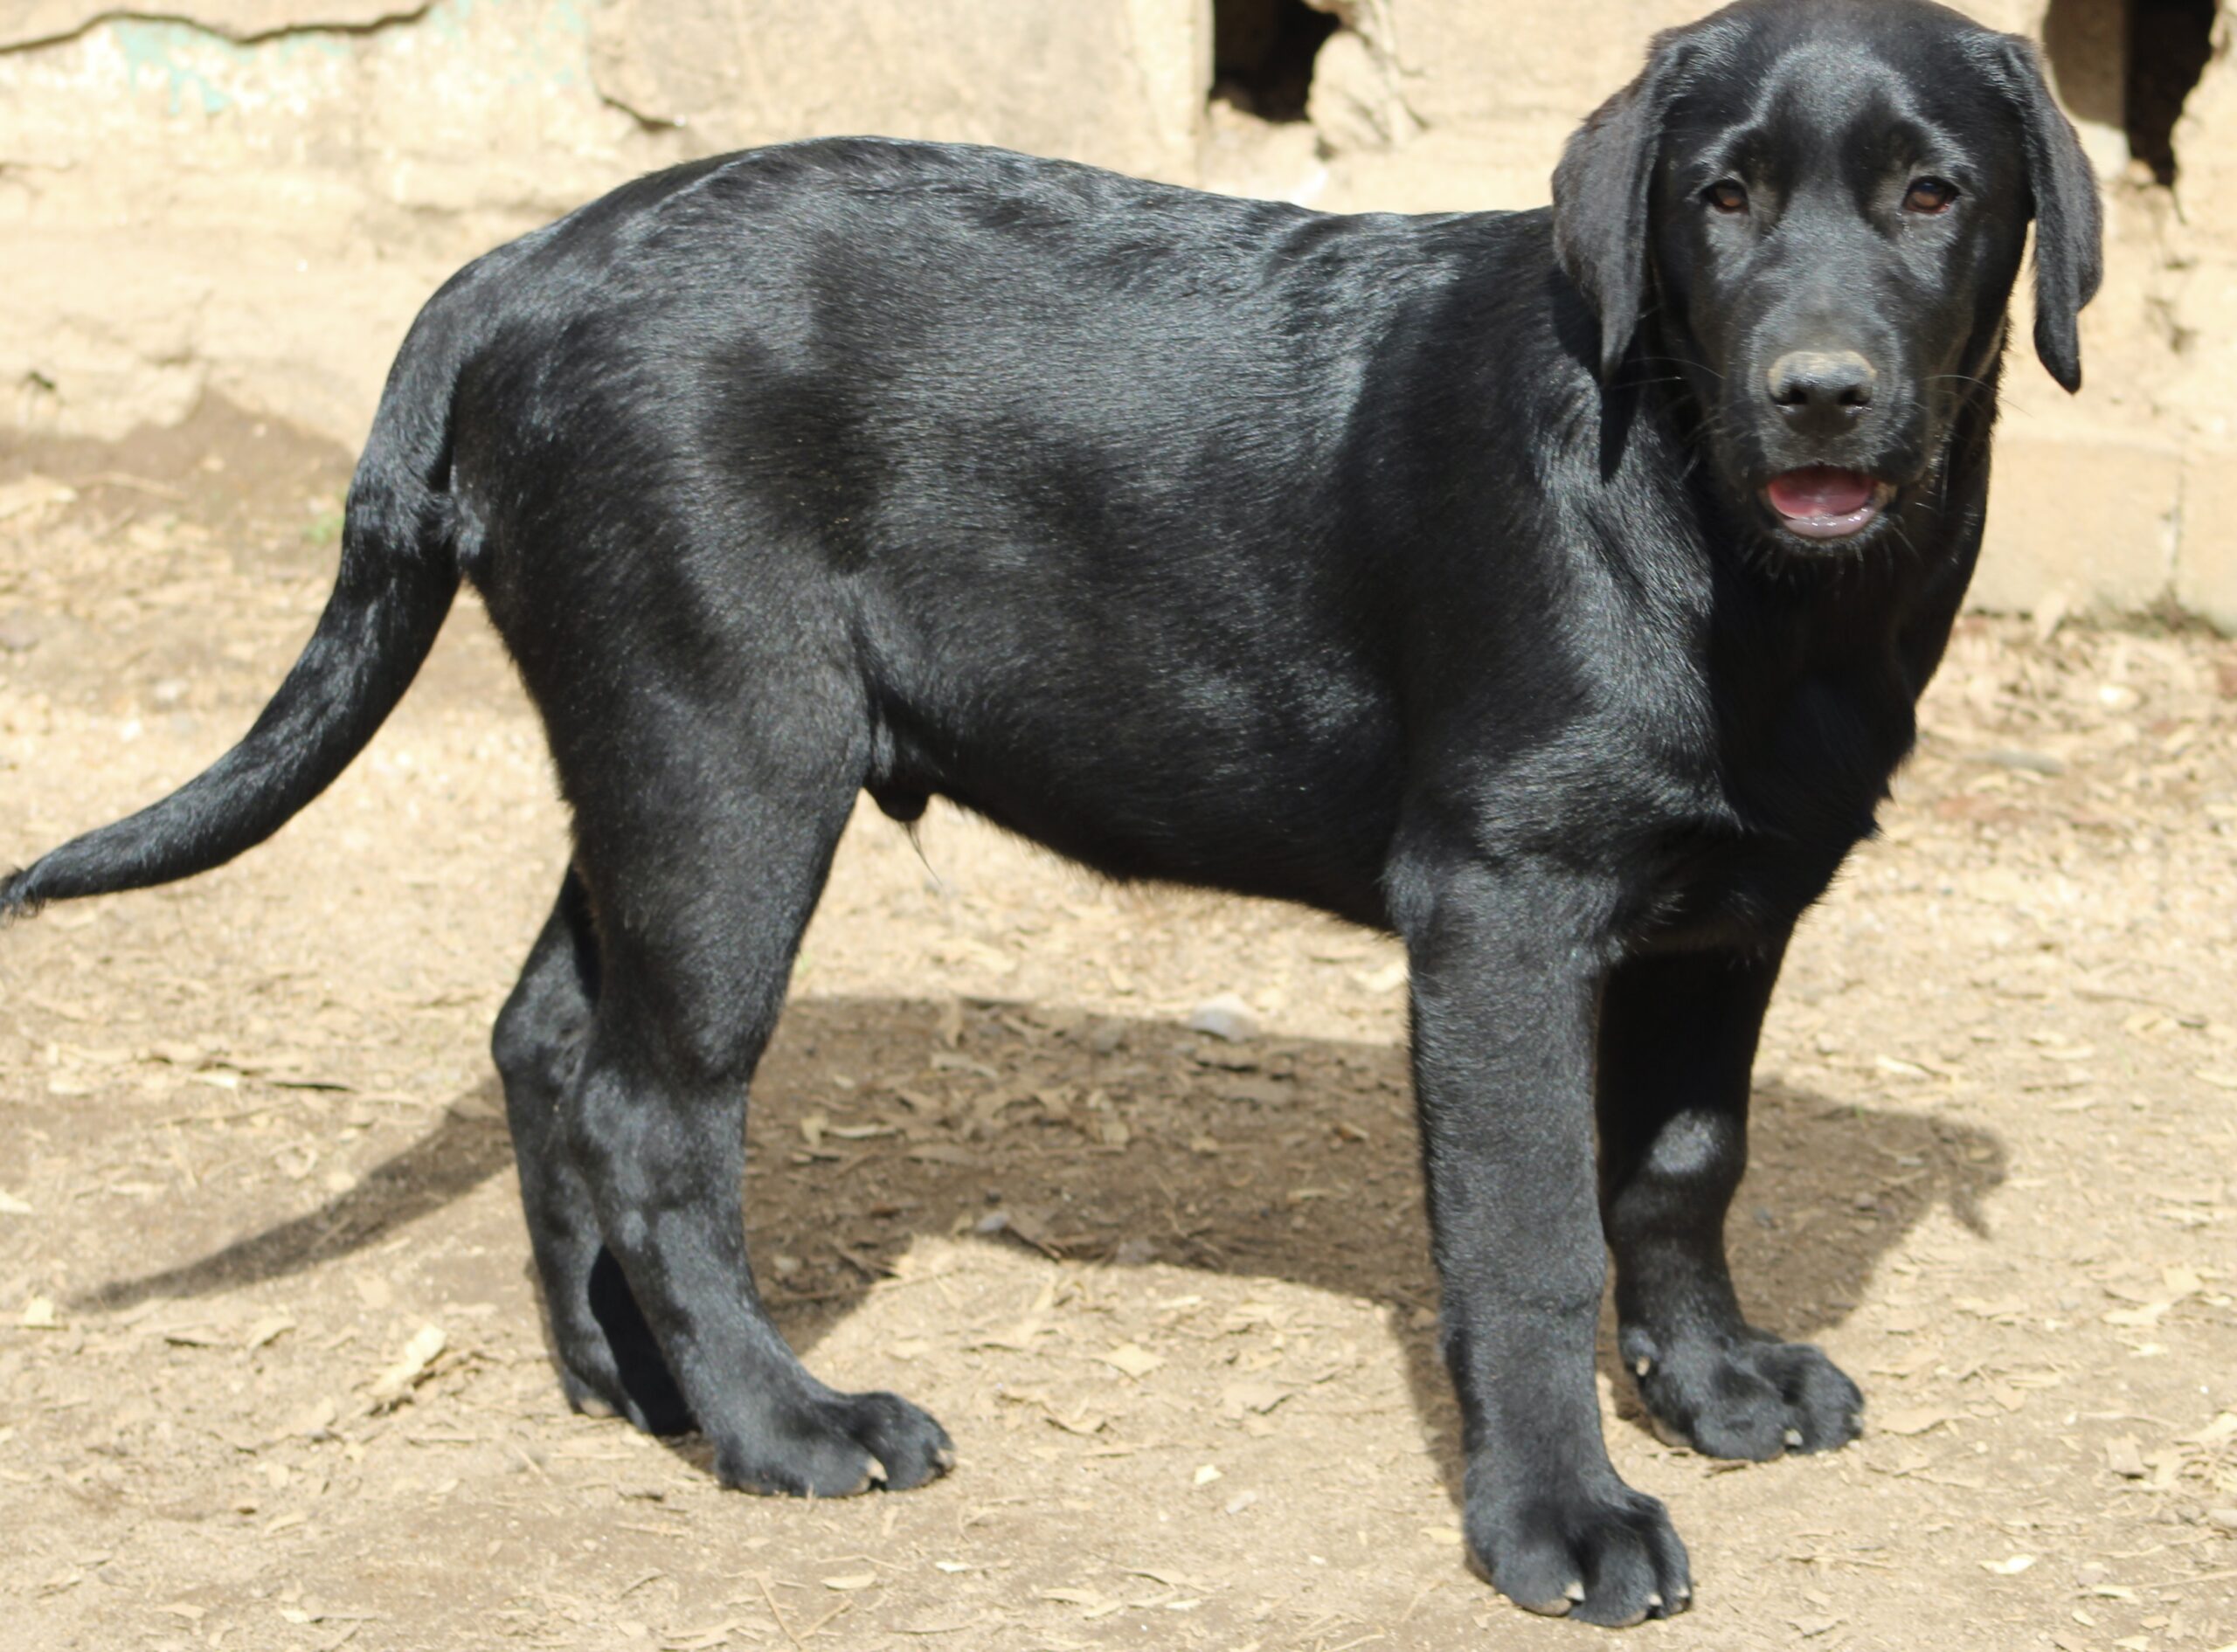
<point x="1263" y="52"/>
<point x="2125" y="67"/>
<point x="2169" y="43"/>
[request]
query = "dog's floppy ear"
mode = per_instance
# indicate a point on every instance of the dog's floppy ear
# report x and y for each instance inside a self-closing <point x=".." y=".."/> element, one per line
<point x="1601" y="189"/>
<point x="2069" y="226"/>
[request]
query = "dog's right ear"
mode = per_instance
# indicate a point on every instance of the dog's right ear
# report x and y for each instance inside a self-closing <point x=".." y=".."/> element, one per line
<point x="1601" y="189"/>
<point x="2069" y="223"/>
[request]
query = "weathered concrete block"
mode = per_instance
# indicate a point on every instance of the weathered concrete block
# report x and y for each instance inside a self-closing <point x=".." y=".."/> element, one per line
<point x="2206" y="565"/>
<point x="31" y="22"/>
<point x="253" y="195"/>
<point x="1119" y="85"/>
<point x="2091" y="519"/>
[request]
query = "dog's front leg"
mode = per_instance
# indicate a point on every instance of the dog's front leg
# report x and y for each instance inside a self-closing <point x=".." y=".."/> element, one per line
<point x="1507" y="975"/>
<point x="1677" y="1044"/>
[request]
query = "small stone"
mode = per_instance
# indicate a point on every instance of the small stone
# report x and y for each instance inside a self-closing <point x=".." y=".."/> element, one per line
<point x="17" y="636"/>
<point x="2124" y="1456"/>
<point x="1226" y="1017"/>
<point x="313" y="1421"/>
<point x="2222" y="1520"/>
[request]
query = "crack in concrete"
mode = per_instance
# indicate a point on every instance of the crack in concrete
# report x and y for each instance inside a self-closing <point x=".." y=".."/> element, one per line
<point x="401" y="16"/>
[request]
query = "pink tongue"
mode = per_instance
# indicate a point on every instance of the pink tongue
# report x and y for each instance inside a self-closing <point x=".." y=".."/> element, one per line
<point x="1819" y="491"/>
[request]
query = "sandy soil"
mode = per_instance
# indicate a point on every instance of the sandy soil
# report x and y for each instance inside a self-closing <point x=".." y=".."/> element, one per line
<point x="272" y="1373"/>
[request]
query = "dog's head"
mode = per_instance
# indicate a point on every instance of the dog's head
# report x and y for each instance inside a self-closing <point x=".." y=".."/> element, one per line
<point x="1815" y="210"/>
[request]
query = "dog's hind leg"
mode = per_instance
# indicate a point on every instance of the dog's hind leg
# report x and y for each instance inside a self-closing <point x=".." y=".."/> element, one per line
<point x="703" y="864"/>
<point x="607" y="1357"/>
<point x="1677" y="1042"/>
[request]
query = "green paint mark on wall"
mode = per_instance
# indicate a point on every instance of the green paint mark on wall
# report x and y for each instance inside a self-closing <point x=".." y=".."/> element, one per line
<point x="200" y="70"/>
<point x="162" y="51"/>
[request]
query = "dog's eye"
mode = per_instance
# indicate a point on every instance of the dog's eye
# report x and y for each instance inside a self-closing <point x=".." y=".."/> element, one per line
<point x="1929" y="195"/>
<point x="1727" y="195"/>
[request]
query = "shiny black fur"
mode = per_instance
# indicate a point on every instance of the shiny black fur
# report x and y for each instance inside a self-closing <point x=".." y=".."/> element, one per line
<point x="1410" y="568"/>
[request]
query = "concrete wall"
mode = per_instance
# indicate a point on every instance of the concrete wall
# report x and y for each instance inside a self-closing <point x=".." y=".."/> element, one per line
<point x="254" y="201"/>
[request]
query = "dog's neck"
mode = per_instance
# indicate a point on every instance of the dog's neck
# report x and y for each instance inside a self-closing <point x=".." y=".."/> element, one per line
<point x="1814" y="663"/>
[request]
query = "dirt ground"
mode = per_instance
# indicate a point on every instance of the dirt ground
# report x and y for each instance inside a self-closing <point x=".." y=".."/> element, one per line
<point x="272" y="1373"/>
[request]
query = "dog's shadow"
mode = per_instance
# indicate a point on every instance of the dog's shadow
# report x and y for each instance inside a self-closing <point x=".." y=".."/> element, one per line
<point x="1121" y="1142"/>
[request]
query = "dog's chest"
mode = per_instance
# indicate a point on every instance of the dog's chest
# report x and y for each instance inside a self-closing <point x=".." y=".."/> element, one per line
<point x="1768" y="819"/>
<point x="1721" y="888"/>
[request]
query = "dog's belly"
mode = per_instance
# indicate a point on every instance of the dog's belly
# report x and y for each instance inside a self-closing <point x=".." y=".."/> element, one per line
<point x="1249" y="789"/>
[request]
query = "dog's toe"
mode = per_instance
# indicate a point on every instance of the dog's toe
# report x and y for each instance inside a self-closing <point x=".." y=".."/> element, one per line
<point x="835" y="1446"/>
<point x="910" y="1445"/>
<point x="1752" y="1398"/>
<point x="1613" y="1559"/>
<point x="651" y="1404"/>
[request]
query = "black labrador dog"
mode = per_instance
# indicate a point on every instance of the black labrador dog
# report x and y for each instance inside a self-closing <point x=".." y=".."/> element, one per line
<point x="1551" y="589"/>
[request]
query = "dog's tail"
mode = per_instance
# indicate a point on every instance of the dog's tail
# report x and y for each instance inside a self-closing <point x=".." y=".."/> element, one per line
<point x="398" y="573"/>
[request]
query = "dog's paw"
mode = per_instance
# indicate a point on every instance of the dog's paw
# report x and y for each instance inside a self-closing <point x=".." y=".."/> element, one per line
<point x="835" y="1446"/>
<point x="609" y="1365"/>
<point x="1754" y="1397"/>
<point x="1610" y="1557"/>
<point x="646" y="1397"/>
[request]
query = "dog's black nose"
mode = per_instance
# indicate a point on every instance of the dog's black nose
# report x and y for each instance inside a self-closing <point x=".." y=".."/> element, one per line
<point x="1821" y="391"/>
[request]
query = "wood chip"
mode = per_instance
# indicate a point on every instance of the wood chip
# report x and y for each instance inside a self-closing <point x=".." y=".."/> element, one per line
<point x="942" y="1153"/>
<point x="2217" y="1431"/>
<point x="1092" y="1603"/>
<point x="1252" y="1395"/>
<point x="1132" y="1358"/>
<point x="2147" y="1315"/>
<point x="395" y="1385"/>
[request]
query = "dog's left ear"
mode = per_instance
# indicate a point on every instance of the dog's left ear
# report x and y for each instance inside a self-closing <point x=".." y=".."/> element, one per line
<point x="2069" y="225"/>
<point x="1601" y="189"/>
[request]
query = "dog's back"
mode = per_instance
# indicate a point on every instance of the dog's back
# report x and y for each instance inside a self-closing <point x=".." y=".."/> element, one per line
<point x="1101" y="503"/>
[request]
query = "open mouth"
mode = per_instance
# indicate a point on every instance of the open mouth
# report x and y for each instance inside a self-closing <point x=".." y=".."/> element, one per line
<point x="1819" y="502"/>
